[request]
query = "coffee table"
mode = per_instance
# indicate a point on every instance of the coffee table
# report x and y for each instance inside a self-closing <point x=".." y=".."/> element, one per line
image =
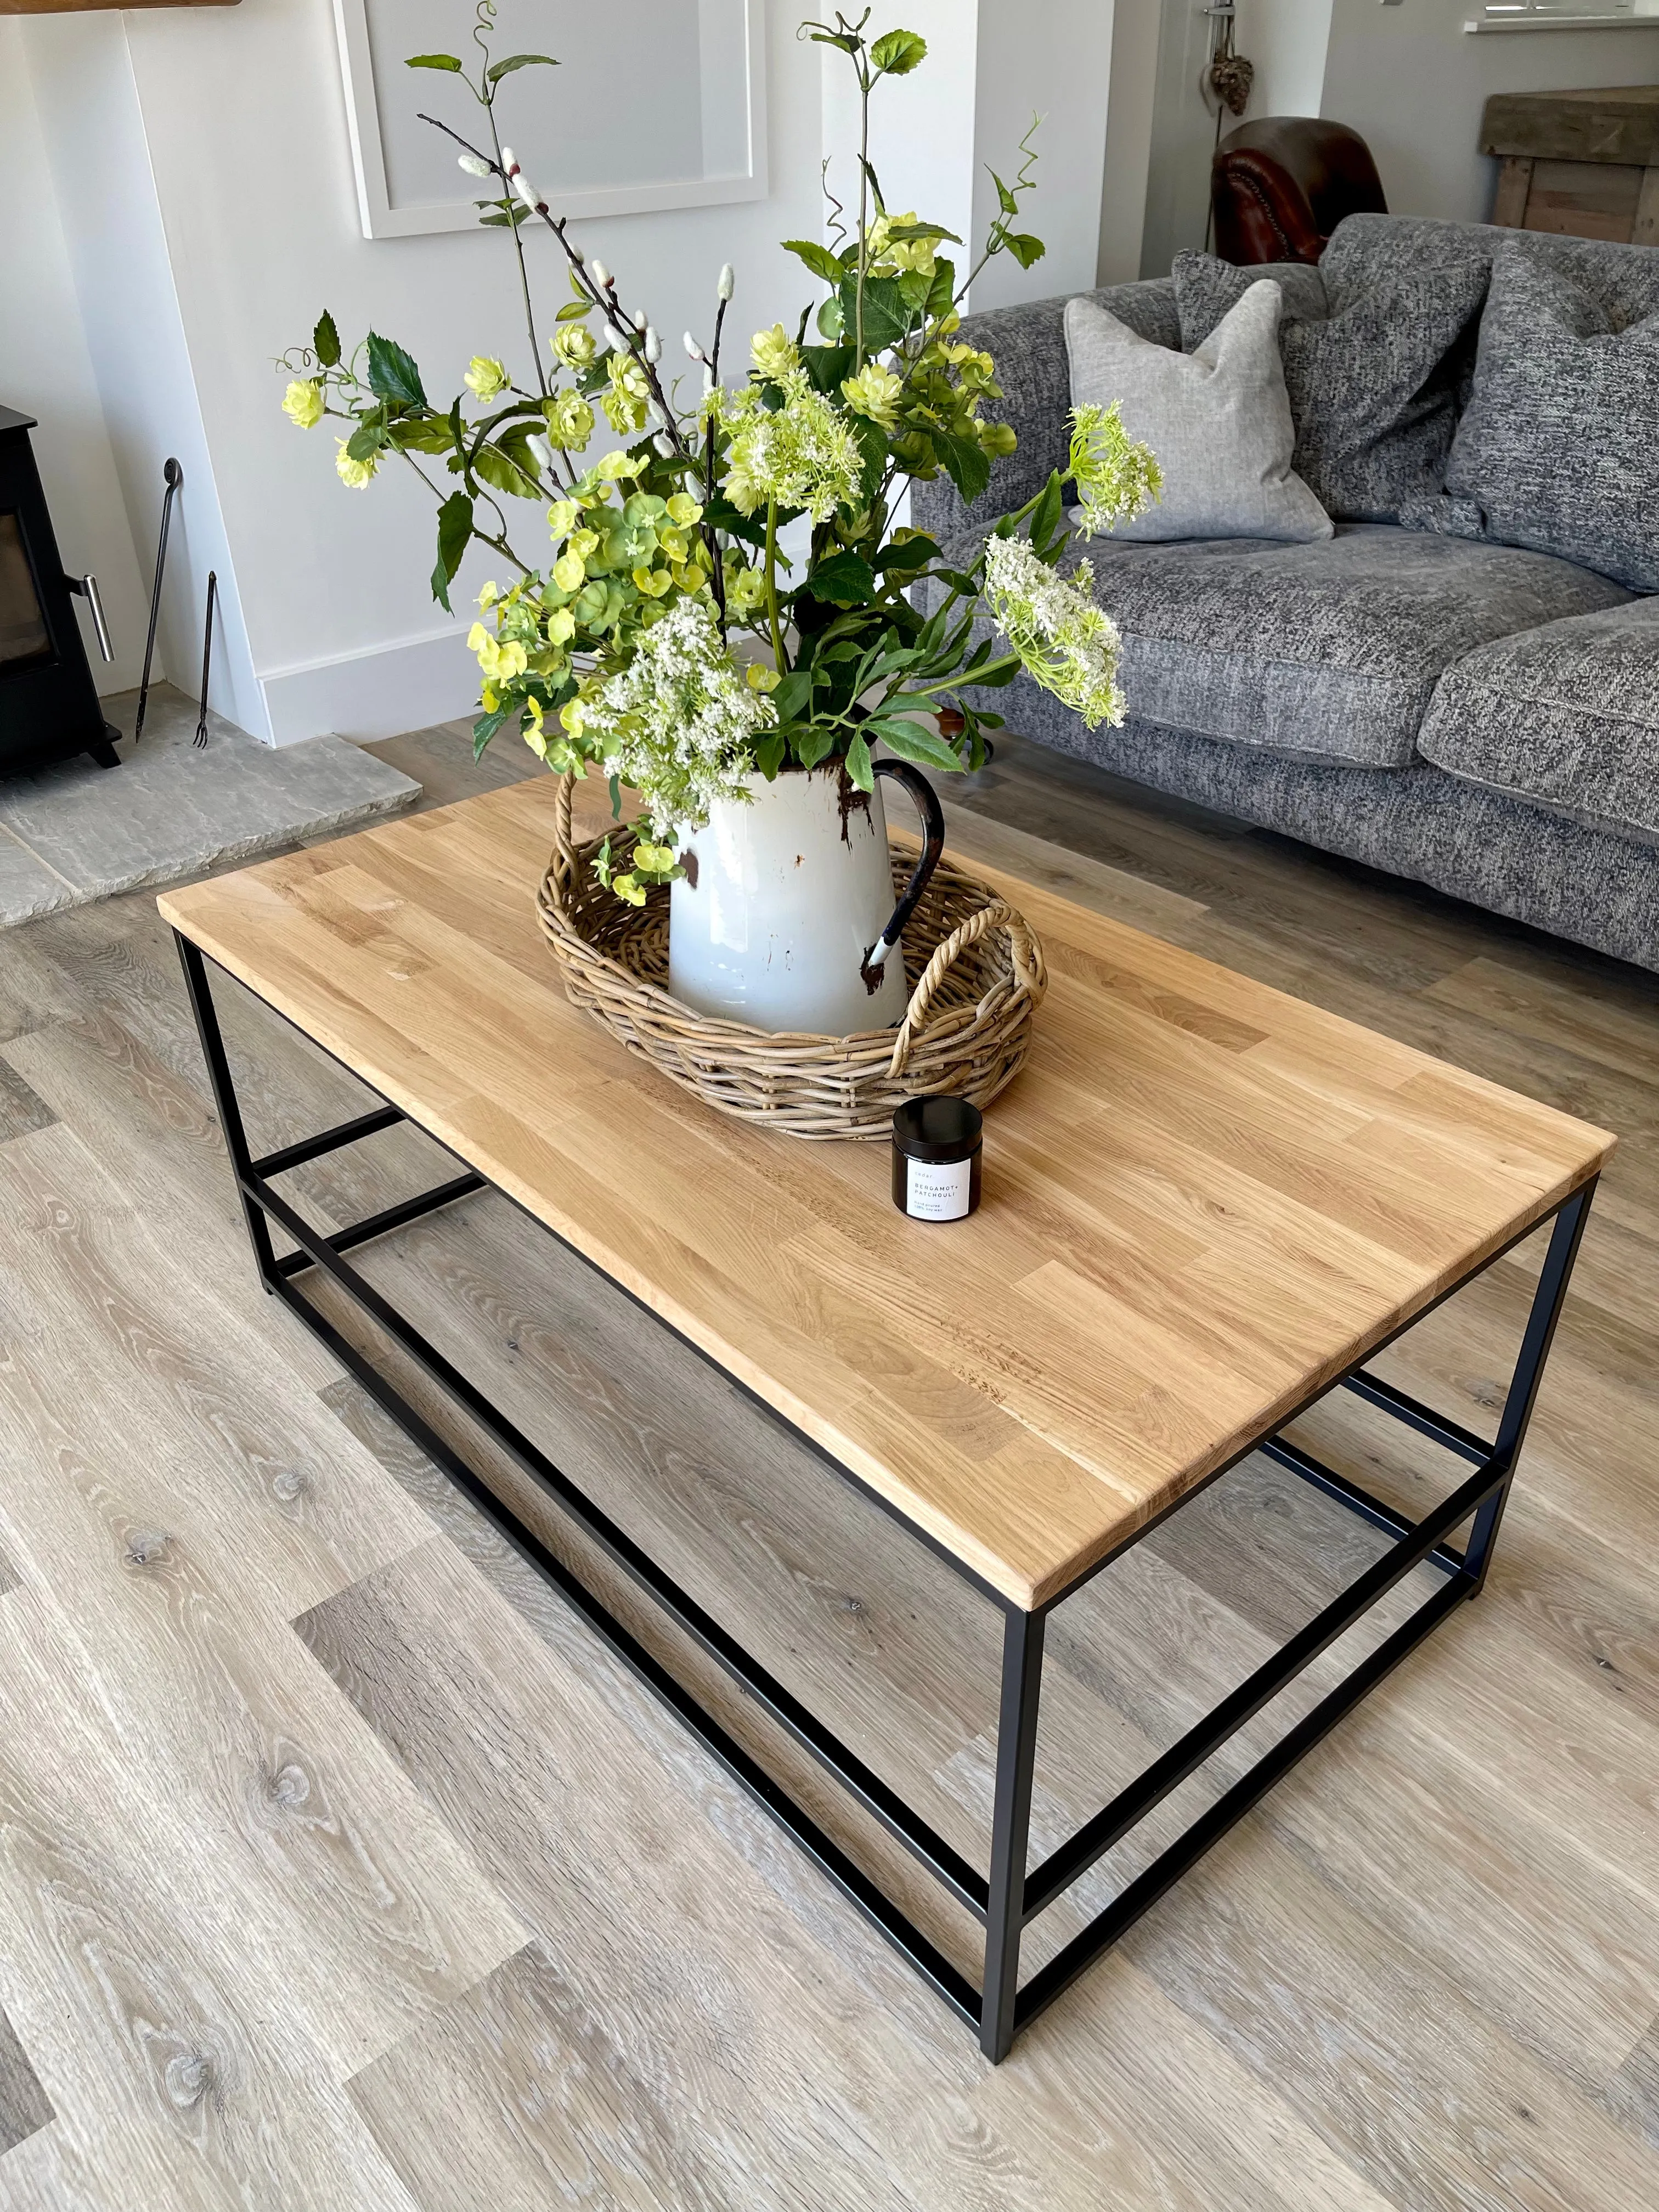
<point x="1207" y="1204"/>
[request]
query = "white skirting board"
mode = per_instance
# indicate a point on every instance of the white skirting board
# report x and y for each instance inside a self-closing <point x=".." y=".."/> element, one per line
<point x="407" y="685"/>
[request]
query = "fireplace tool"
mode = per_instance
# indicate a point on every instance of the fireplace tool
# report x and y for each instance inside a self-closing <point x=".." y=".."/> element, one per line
<point x="201" y="737"/>
<point x="172" y="476"/>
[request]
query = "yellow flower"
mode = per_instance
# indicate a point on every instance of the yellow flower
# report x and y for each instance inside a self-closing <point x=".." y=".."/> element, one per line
<point x="746" y="591"/>
<point x="488" y="595"/>
<point x="684" y="510"/>
<point x="773" y="351"/>
<point x="302" y="403"/>
<point x="653" y="582"/>
<point x="614" y="466"/>
<point x="627" y="887"/>
<point x="570" y="715"/>
<point x="485" y="378"/>
<point x="569" y="421"/>
<point x="568" y="572"/>
<point x="874" y="391"/>
<point x="760" y="677"/>
<point x="574" y="343"/>
<point x="583" y="541"/>
<point x="655" y="860"/>
<point x="561" y="625"/>
<point x="886" y="253"/>
<point x="356" y="474"/>
<point x="500" y="658"/>
<point x="561" y="515"/>
<point x="996" y="439"/>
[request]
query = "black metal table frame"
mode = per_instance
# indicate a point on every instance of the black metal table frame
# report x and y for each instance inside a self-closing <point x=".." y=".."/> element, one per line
<point x="1013" y="1895"/>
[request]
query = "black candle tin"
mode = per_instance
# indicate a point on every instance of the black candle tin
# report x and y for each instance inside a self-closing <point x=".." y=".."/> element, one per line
<point x="937" y="1144"/>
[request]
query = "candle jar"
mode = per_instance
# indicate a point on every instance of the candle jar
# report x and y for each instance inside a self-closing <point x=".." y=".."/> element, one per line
<point x="937" y="1143"/>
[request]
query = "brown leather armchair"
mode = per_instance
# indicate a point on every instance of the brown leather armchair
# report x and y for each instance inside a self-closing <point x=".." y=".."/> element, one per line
<point x="1280" y="186"/>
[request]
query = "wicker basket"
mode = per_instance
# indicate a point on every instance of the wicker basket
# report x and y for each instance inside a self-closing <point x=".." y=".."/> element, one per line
<point x="966" y="1031"/>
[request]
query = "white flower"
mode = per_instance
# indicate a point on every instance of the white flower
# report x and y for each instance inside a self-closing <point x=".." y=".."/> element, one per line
<point x="678" y="723"/>
<point x="473" y="166"/>
<point x="802" y="455"/>
<point x="1067" y="643"/>
<point x="652" y="344"/>
<point x="728" y="283"/>
<point x="692" y="348"/>
<point x="543" y="453"/>
<point x="600" y="275"/>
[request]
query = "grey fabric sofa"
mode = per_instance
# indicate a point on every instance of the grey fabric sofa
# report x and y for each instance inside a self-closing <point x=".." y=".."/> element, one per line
<point x="1481" y="717"/>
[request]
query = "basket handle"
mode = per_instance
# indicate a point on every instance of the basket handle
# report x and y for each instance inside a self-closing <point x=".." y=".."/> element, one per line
<point x="562" y="869"/>
<point x="1029" y="974"/>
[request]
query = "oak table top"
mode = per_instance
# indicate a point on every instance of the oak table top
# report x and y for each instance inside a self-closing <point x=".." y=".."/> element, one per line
<point x="1203" y="1199"/>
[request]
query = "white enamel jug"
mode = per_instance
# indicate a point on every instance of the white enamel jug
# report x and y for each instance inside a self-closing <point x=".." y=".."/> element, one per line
<point x="785" y="917"/>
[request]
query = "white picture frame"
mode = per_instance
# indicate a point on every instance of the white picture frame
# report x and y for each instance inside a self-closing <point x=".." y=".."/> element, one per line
<point x="384" y="215"/>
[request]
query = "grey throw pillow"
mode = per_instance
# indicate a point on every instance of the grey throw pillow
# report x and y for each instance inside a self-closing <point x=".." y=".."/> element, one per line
<point x="1372" y="377"/>
<point x="1559" y="449"/>
<point x="1218" y="420"/>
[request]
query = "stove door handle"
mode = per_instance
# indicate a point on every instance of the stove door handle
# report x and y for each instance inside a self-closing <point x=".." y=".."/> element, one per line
<point x="86" y="587"/>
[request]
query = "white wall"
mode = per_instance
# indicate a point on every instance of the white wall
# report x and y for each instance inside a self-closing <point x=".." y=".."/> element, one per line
<point x="1128" y="147"/>
<point x="1287" y="40"/>
<point x="1413" y="83"/>
<point x="45" y="371"/>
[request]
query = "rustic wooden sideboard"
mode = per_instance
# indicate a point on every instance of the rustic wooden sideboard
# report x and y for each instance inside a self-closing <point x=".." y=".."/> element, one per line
<point x="1585" y="163"/>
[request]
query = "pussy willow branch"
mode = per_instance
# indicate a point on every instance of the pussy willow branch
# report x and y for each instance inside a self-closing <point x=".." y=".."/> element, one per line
<point x="603" y="300"/>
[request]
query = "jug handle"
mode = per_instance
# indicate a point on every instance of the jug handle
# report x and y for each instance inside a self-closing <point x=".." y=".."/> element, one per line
<point x="933" y="821"/>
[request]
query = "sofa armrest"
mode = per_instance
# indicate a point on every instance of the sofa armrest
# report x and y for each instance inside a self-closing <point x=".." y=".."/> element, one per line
<point x="1028" y="344"/>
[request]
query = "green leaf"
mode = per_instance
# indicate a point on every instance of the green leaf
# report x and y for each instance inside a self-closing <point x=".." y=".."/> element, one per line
<point x="846" y="579"/>
<point x="897" y="52"/>
<point x="909" y="553"/>
<point x="502" y="217"/>
<point x="888" y="314"/>
<point x="965" y="461"/>
<point x="858" y="766"/>
<point x="392" y="376"/>
<point x="1010" y="206"/>
<point x="1045" y="515"/>
<point x="1025" y="249"/>
<point x="818" y="258"/>
<point x="907" y="230"/>
<point x="493" y="467"/>
<point x="573" y="310"/>
<point x="366" y="442"/>
<point x="454" y="536"/>
<point x="942" y="292"/>
<point x="794" y="694"/>
<point x="425" y="434"/>
<point x="830" y="319"/>
<point x="769" y="753"/>
<point x="497" y="71"/>
<point x="433" y="61"/>
<point x="732" y="522"/>
<point x="871" y="441"/>
<point x="811" y="747"/>
<point x="486" y="726"/>
<point x="325" y="341"/>
<point x="826" y="366"/>
<point x="912" y="741"/>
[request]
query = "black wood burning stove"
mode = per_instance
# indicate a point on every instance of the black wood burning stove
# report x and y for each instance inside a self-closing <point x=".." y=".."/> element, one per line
<point x="49" y="708"/>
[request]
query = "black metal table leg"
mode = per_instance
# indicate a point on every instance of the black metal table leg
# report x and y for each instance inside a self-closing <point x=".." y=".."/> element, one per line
<point x="1010" y="1897"/>
<point x="1011" y="1822"/>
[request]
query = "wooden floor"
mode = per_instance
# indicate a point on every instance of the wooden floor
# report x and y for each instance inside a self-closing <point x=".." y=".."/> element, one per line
<point x="340" y="1868"/>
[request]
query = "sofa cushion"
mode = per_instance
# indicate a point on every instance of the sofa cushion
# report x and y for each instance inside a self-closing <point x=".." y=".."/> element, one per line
<point x="1372" y="365"/>
<point x="1567" y="715"/>
<point x="1623" y="280"/>
<point x="1559" y="447"/>
<point x="1331" y="651"/>
<point x="1219" y="421"/>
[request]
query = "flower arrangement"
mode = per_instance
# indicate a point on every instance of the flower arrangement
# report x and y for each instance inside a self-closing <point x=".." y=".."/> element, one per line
<point x="623" y="647"/>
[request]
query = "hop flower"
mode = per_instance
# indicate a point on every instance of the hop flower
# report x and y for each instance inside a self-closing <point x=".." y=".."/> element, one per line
<point x="1065" y="641"/>
<point x="574" y="345"/>
<point x="569" y="421"/>
<point x="302" y="403"/>
<point x="628" y="400"/>
<point x="1118" y="479"/>
<point x="805" y="455"/>
<point x="890" y="255"/>
<point x="485" y="378"/>
<point x="354" y="474"/>
<point x="874" y="391"/>
<point x="773" y="352"/>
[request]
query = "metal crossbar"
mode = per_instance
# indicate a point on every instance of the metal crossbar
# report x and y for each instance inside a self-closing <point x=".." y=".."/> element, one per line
<point x="1007" y="1900"/>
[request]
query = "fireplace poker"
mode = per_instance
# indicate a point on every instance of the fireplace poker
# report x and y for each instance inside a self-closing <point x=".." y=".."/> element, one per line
<point x="207" y="655"/>
<point x="172" y="476"/>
